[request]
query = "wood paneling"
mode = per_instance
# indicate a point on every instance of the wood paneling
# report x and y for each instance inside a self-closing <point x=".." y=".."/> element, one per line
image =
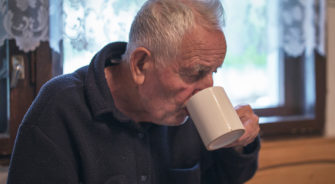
<point x="298" y="161"/>
<point x="20" y="98"/>
<point x="38" y="66"/>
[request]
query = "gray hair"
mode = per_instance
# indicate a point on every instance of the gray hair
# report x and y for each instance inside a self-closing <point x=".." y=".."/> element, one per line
<point x="160" y="25"/>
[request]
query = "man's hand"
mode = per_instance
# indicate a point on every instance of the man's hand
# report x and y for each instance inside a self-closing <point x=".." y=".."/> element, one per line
<point x="250" y="122"/>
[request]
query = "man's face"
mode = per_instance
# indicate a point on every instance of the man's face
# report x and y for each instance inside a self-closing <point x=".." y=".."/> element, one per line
<point x="166" y="90"/>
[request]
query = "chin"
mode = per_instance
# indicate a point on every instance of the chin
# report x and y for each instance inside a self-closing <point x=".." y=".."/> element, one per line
<point x="180" y="118"/>
<point x="177" y="121"/>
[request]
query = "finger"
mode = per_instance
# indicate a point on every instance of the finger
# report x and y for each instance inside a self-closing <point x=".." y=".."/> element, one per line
<point x="243" y="109"/>
<point x="247" y="138"/>
<point x="250" y="122"/>
<point x="244" y="112"/>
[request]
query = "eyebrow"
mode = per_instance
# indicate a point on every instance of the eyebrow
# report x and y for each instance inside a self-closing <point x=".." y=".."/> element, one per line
<point x="195" y="68"/>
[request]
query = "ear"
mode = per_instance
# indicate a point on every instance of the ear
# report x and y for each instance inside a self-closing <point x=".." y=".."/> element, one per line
<point x="140" y="62"/>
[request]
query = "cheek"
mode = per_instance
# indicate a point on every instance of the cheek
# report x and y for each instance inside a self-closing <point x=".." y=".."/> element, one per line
<point x="171" y="88"/>
<point x="185" y="94"/>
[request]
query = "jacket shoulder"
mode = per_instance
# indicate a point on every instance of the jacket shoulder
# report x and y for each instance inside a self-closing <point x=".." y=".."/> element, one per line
<point x="56" y="94"/>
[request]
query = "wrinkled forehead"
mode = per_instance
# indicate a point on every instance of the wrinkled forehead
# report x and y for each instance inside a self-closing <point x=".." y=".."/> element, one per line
<point x="203" y="46"/>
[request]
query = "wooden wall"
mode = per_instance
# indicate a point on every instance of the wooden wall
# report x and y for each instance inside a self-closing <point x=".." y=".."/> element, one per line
<point x="296" y="161"/>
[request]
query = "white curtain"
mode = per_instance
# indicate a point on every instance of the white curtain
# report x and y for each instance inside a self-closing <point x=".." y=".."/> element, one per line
<point x="302" y="26"/>
<point x="256" y="30"/>
<point x="29" y="22"/>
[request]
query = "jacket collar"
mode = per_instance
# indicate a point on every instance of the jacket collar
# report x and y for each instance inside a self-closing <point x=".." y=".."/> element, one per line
<point x="96" y="88"/>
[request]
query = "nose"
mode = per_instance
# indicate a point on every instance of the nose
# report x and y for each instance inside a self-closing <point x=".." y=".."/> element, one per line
<point x="208" y="81"/>
<point x="205" y="83"/>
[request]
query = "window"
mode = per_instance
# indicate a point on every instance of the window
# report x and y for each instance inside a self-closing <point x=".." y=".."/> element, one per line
<point x="275" y="61"/>
<point x="89" y="27"/>
<point x="251" y="70"/>
<point x="25" y="62"/>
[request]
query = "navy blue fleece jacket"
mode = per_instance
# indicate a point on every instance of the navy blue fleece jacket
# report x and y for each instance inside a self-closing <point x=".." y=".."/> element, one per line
<point x="72" y="133"/>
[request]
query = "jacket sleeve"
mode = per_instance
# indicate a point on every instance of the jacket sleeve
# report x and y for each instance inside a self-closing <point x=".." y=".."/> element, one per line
<point x="230" y="166"/>
<point x="37" y="159"/>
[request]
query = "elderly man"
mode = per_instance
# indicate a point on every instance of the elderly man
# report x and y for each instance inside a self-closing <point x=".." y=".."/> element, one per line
<point x="122" y="119"/>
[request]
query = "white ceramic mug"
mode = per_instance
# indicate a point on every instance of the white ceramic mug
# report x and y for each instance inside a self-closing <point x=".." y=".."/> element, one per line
<point x="215" y="117"/>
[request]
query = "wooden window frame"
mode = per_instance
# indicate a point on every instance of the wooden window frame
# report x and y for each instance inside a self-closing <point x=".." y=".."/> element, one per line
<point x="293" y="118"/>
<point x="40" y="66"/>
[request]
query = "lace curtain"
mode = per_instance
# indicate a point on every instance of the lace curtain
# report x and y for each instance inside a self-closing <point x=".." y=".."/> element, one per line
<point x="29" y="22"/>
<point x="302" y="26"/>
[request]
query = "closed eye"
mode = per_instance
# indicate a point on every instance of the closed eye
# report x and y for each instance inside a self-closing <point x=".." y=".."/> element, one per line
<point x="194" y="74"/>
